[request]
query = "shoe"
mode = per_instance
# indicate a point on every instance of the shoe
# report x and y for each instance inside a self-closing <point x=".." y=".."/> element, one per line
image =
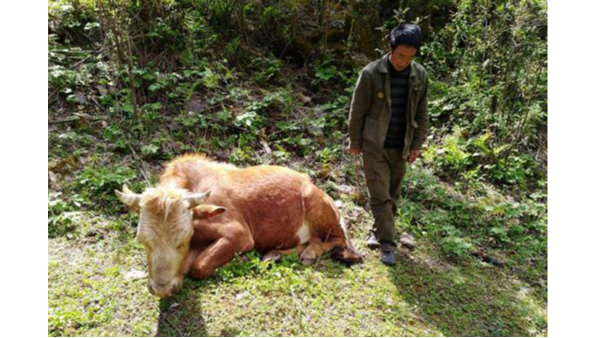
<point x="388" y="258"/>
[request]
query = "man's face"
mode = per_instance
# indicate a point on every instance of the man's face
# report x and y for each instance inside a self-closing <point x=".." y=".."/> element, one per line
<point x="402" y="56"/>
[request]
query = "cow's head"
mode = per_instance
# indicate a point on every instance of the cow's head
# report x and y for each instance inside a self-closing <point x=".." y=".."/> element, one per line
<point x="165" y="228"/>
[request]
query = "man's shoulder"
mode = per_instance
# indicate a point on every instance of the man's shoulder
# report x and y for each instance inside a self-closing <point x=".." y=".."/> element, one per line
<point x="371" y="68"/>
<point x="419" y="69"/>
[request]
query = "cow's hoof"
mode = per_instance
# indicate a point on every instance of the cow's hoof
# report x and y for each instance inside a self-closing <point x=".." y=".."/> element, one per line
<point x="348" y="256"/>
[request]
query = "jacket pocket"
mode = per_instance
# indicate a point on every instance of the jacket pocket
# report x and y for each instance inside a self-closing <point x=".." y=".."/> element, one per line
<point x="371" y="130"/>
<point x="379" y="102"/>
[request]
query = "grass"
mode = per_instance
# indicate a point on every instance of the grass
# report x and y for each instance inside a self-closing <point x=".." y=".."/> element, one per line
<point x="96" y="288"/>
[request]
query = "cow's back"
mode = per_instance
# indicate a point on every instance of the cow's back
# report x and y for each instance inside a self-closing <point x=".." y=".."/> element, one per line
<point x="266" y="199"/>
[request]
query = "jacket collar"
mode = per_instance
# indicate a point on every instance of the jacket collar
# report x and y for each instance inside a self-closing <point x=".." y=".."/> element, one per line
<point x="382" y="63"/>
<point x="382" y="66"/>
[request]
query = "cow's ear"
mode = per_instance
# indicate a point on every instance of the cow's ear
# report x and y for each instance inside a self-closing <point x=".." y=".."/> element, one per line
<point x="208" y="211"/>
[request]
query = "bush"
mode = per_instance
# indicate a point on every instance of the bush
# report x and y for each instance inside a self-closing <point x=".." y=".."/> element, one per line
<point x="488" y="71"/>
<point x="476" y="158"/>
<point x="60" y="220"/>
<point x="96" y="185"/>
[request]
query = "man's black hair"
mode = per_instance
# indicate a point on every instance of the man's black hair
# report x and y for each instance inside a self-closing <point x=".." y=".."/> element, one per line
<point x="405" y="34"/>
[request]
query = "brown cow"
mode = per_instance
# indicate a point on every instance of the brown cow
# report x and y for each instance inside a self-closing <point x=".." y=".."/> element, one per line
<point x="270" y="209"/>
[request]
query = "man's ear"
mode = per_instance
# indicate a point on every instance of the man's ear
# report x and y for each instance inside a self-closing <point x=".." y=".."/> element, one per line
<point x="129" y="198"/>
<point x="207" y="211"/>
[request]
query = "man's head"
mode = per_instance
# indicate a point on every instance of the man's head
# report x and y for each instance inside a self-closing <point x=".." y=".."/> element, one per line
<point x="404" y="42"/>
<point x="165" y="229"/>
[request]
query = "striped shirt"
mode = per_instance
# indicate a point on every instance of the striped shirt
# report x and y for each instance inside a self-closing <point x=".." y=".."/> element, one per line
<point x="399" y="90"/>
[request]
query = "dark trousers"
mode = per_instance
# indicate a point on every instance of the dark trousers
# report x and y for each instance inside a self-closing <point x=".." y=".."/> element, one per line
<point x="384" y="174"/>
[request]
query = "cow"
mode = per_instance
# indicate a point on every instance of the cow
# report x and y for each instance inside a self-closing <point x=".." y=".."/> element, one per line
<point x="202" y="213"/>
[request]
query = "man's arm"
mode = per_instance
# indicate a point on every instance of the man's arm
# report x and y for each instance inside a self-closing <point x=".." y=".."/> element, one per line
<point x="422" y="119"/>
<point x="361" y="101"/>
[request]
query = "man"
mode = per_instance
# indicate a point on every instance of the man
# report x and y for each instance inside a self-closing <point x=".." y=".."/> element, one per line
<point x="388" y="126"/>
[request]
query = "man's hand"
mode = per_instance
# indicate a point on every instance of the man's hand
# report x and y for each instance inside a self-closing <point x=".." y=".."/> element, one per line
<point x="355" y="152"/>
<point x="413" y="155"/>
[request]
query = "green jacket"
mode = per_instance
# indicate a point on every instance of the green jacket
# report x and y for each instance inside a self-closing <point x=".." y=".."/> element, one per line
<point x="371" y="108"/>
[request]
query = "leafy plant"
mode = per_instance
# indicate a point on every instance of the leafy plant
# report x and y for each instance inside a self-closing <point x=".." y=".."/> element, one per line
<point x="267" y="69"/>
<point x="97" y="184"/>
<point x="456" y="245"/>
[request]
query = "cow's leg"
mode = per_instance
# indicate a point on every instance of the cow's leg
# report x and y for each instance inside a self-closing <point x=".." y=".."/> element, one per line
<point x="311" y="253"/>
<point x="322" y="215"/>
<point x="342" y="249"/>
<point x="217" y="254"/>
<point x="338" y="247"/>
<point x="348" y="255"/>
<point x="316" y="247"/>
<point x="324" y="218"/>
<point x="276" y="255"/>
